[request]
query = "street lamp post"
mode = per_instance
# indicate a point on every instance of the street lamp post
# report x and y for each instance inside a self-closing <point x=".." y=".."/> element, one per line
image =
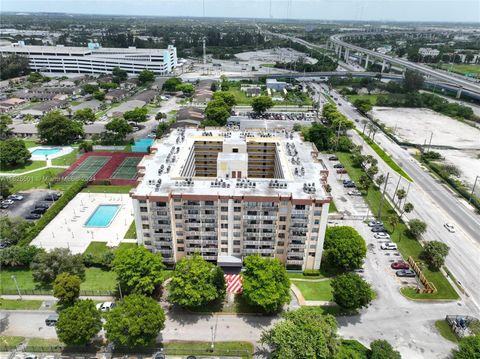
<point x="16" y="285"/>
<point x="212" y="345"/>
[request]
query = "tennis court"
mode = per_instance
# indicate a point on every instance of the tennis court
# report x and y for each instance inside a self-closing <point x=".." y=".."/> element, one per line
<point x="128" y="168"/>
<point x="89" y="167"/>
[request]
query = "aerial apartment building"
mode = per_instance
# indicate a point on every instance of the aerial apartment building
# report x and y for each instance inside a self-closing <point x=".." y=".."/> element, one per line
<point x="228" y="194"/>
<point x="94" y="59"/>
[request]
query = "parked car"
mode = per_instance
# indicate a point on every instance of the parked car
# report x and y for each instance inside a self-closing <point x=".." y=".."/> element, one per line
<point x="349" y="184"/>
<point x="381" y="235"/>
<point x="33" y="216"/>
<point x="42" y="205"/>
<point x="39" y="211"/>
<point x="106" y="306"/>
<point x="333" y="158"/>
<point x="15" y="197"/>
<point x="450" y="227"/>
<point x="341" y="170"/>
<point x="389" y="246"/>
<point x="359" y="270"/>
<point x="52" y="197"/>
<point x="347" y="180"/>
<point x="400" y="265"/>
<point x="378" y="229"/>
<point x="51" y="320"/>
<point x="354" y="193"/>
<point x="4" y="205"/>
<point x="338" y="165"/>
<point x="8" y="201"/>
<point x="375" y="223"/>
<point x="405" y="273"/>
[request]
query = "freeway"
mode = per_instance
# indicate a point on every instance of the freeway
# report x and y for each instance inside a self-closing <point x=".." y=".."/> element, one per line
<point x="434" y="203"/>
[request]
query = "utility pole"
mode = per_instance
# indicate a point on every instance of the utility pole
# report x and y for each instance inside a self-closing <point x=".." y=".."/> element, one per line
<point x="430" y="143"/>
<point x="16" y="285"/>
<point x="383" y="196"/>
<point x="473" y="189"/>
<point x="396" y="188"/>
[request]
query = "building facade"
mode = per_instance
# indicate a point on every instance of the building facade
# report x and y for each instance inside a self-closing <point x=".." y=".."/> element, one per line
<point x="95" y="59"/>
<point x="229" y="194"/>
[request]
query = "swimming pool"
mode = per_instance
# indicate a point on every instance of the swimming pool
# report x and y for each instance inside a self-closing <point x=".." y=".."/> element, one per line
<point x="46" y="151"/>
<point x="142" y="145"/>
<point x="103" y="215"/>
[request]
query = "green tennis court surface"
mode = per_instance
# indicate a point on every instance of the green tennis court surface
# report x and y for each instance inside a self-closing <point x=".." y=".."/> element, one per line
<point x="89" y="167"/>
<point x="128" y="168"/>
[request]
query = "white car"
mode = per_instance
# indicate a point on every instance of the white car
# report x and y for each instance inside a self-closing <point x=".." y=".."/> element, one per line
<point x="389" y="246"/>
<point x="8" y="201"/>
<point x="375" y="224"/>
<point x="381" y="235"/>
<point x="354" y="193"/>
<point x="450" y="227"/>
<point x="106" y="306"/>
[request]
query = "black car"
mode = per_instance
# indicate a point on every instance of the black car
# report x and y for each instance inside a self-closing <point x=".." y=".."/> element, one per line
<point x="52" y="197"/>
<point x="51" y="320"/>
<point x="349" y="185"/>
<point x="42" y="205"/>
<point x="4" y="205"/>
<point x="338" y="165"/>
<point x="39" y="211"/>
<point x="378" y="229"/>
<point x="32" y="216"/>
<point x="333" y="158"/>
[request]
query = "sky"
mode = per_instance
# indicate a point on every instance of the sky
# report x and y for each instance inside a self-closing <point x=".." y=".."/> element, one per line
<point x="363" y="10"/>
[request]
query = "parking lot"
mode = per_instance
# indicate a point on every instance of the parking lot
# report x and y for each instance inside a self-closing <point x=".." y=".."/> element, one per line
<point x="30" y="199"/>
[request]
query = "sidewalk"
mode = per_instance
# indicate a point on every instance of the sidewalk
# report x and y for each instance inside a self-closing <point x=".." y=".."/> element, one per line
<point x="52" y="298"/>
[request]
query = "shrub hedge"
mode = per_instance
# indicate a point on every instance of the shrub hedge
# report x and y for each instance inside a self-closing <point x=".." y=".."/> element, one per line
<point x="53" y="211"/>
<point x="311" y="273"/>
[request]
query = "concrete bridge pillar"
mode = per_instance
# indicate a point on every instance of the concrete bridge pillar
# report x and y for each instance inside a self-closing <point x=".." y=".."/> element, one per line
<point x="384" y="64"/>
<point x="347" y="54"/>
<point x="366" y="61"/>
<point x="459" y="92"/>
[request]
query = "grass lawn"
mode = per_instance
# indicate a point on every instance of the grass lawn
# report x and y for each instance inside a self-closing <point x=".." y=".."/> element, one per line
<point x="33" y="180"/>
<point x="132" y="232"/>
<point x="30" y="143"/>
<point x="31" y="165"/>
<point x="268" y="65"/>
<point x="66" y="160"/>
<point x="10" y="341"/>
<point x="240" y="96"/>
<point x="236" y="349"/>
<point x="332" y="208"/>
<point x="37" y="344"/>
<point x="445" y="330"/>
<point x="95" y="279"/>
<point x="372" y="98"/>
<point x="388" y="160"/>
<point x="315" y="290"/>
<point x="362" y="351"/>
<point x="97" y="249"/>
<point x="13" y="304"/>
<point x="462" y="68"/>
<point x="127" y="245"/>
<point x="107" y="189"/>
<point x="406" y="245"/>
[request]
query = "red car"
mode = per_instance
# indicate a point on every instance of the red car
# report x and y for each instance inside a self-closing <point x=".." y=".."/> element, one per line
<point x="400" y="265"/>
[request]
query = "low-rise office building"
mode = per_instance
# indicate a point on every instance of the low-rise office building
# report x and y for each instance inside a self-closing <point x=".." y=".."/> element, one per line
<point x="95" y="59"/>
<point x="229" y="194"/>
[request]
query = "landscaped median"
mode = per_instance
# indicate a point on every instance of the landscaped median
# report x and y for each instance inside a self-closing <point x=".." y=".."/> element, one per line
<point x="407" y="245"/>
<point x="384" y="156"/>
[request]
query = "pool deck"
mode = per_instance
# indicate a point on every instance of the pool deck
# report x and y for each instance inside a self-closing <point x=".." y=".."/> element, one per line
<point x="64" y="150"/>
<point x="67" y="229"/>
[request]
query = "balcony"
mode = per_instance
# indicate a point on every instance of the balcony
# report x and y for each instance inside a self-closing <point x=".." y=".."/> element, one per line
<point x="296" y="246"/>
<point x="258" y="243"/>
<point x="295" y="261"/>
<point x="255" y="251"/>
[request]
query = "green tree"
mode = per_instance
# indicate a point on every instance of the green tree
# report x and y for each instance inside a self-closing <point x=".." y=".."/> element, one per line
<point x="363" y="105"/>
<point x="136" y="321"/>
<point x="90" y="88"/>
<point x="14" y="153"/>
<point x="187" y="89"/>
<point x="217" y="112"/>
<point x="344" y="247"/>
<point x="5" y="122"/>
<point x="417" y="227"/>
<point x="171" y="84"/>
<point x="408" y="207"/>
<point x="365" y="183"/>
<point x="434" y="253"/>
<point x="265" y="283"/>
<point x="261" y="104"/>
<point x="138" y="114"/>
<point x="18" y="256"/>
<point x="6" y="186"/>
<point x="412" y="81"/>
<point x="85" y="146"/>
<point x="66" y="288"/>
<point x="138" y="270"/>
<point x="393" y="221"/>
<point x="401" y="194"/>
<point x="84" y="115"/>
<point x="303" y="334"/>
<point x="13" y="65"/>
<point x="119" y="75"/>
<point x="163" y="127"/>
<point x="381" y="349"/>
<point x="99" y="95"/>
<point x="56" y="129"/>
<point x="146" y="76"/>
<point x="48" y="265"/>
<point x="227" y="97"/>
<point x="468" y="348"/>
<point x="119" y="127"/>
<point x="196" y="282"/>
<point x="13" y="229"/>
<point x="78" y="324"/>
<point x="108" y="85"/>
<point x="319" y="134"/>
<point x="351" y="291"/>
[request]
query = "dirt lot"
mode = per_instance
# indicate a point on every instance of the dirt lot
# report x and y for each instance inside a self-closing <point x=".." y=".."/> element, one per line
<point x="274" y="55"/>
<point x="468" y="162"/>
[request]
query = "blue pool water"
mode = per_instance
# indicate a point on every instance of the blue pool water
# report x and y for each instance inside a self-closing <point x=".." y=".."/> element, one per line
<point x="46" y="151"/>
<point x="103" y="215"/>
<point x="142" y="145"/>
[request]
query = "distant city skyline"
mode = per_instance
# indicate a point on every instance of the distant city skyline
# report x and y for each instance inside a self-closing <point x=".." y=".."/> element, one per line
<point x="356" y="10"/>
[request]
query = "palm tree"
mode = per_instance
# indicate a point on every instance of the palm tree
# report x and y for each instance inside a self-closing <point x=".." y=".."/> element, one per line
<point x="401" y="194"/>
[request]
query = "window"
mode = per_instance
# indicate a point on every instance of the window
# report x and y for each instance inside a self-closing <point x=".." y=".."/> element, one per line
<point x="236" y="243"/>
<point x="145" y="226"/>
<point x="235" y="150"/>
<point x="143" y="209"/>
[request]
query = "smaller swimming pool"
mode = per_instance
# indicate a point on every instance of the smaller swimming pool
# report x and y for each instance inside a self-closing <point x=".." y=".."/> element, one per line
<point x="142" y="145"/>
<point x="103" y="215"/>
<point x="46" y="151"/>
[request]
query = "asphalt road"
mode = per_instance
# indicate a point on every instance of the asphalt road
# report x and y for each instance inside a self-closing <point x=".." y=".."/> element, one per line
<point x="434" y="204"/>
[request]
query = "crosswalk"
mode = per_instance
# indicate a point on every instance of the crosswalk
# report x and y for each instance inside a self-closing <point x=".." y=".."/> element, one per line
<point x="234" y="283"/>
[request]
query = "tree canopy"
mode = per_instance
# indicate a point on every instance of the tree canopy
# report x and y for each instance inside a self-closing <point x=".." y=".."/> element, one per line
<point x="117" y="131"/>
<point x="84" y="115"/>
<point x="435" y="253"/>
<point x="146" y="76"/>
<point x="18" y="256"/>
<point x="138" y="270"/>
<point x="136" y="321"/>
<point x="417" y="227"/>
<point x="363" y="105"/>
<point x="217" y="113"/>
<point x="119" y="75"/>
<point x="412" y="81"/>
<point x="468" y="348"/>
<point x="227" y="97"/>
<point x="14" y="153"/>
<point x="265" y="283"/>
<point x="196" y="282"/>
<point x="78" y="324"/>
<point x="381" y="349"/>
<point x="351" y="291"/>
<point x="56" y="129"/>
<point x="138" y="114"/>
<point x="13" y="66"/>
<point x="303" y="334"/>
<point x="48" y="265"/>
<point x="66" y="288"/>
<point x="261" y="104"/>
<point x="344" y="247"/>
<point x="5" y="122"/>
<point x="171" y="84"/>
<point x="13" y="229"/>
